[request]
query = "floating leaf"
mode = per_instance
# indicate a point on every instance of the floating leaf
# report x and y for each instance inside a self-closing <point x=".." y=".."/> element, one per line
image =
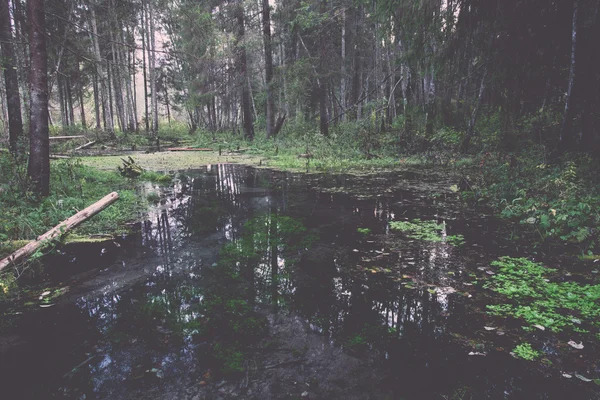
<point x="575" y="345"/>
<point x="476" y="353"/>
<point x="446" y="290"/>
<point x="583" y="378"/>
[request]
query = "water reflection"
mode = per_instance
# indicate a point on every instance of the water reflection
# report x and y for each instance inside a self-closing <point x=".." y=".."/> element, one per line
<point x="381" y="296"/>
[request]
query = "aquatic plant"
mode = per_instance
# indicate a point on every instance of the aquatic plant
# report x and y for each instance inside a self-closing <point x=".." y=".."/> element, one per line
<point x="539" y="301"/>
<point x="526" y="352"/>
<point x="363" y="231"/>
<point x="429" y="231"/>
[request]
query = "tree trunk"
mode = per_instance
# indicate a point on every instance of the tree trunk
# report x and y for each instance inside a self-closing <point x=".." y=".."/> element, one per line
<point x="152" y="69"/>
<point x="268" y="68"/>
<point x="243" y="73"/>
<point x="471" y="128"/>
<point x="144" y="65"/>
<point x="11" y="81"/>
<point x="97" y="102"/>
<point x="39" y="149"/>
<point x="566" y="135"/>
<point x="101" y="72"/>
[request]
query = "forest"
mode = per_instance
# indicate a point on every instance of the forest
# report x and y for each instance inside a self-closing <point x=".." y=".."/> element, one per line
<point x="458" y="74"/>
<point x="414" y="179"/>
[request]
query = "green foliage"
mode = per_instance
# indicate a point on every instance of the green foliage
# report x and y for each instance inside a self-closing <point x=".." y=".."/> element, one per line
<point x="559" y="203"/>
<point x="363" y="231"/>
<point x="429" y="231"/>
<point x="526" y="352"/>
<point x="73" y="187"/>
<point x="8" y="286"/>
<point x="539" y="301"/>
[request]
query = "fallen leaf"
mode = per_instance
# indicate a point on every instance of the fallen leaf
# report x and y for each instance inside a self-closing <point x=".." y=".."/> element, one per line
<point x="567" y="376"/>
<point x="446" y="290"/>
<point x="583" y="378"/>
<point x="540" y="327"/>
<point x="575" y="345"/>
<point x="476" y="353"/>
<point x="489" y="328"/>
<point x="202" y="383"/>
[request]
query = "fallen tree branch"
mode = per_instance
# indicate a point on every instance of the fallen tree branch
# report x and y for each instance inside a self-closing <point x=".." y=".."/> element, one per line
<point x="187" y="149"/>
<point x="66" y="137"/>
<point x="59" y="229"/>
<point x="84" y="146"/>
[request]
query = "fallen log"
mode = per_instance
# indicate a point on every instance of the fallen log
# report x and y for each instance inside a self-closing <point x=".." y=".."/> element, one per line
<point x="187" y="149"/>
<point x="66" y="137"/>
<point x="84" y="146"/>
<point x="59" y="230"/>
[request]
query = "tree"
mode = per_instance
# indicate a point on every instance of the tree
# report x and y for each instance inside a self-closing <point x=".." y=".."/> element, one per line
<point x="270" y="109"/>
<point x="39" y="149"/>
<point x="13" y="99"/>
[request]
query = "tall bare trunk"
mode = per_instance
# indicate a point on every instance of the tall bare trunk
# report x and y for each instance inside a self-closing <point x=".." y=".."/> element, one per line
<point x="268" y="67"/>
<point x="152" y="68"/>
<point x="475" y="114"/>
<point x="145" y="65"/>
<point x="566" y="135"/>
<point x="39" y="149"/>
<point x="101" y="72"/>
<point x="11" y="80"/>
<point x="242" y="68"/>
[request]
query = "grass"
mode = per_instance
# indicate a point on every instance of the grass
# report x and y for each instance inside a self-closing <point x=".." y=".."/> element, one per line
<point x="74" y="186"/>
<point x="299" y="148"/>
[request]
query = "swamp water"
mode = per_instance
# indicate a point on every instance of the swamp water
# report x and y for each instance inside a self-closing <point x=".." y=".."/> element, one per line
<point x="255" y="284"/>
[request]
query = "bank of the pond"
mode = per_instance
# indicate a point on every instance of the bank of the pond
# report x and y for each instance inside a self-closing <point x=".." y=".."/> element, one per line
<point x="73" y="187"/>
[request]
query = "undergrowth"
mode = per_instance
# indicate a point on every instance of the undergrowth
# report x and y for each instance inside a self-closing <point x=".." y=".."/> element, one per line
<point x="73" y="187"/>
<point x="550" y="203"/>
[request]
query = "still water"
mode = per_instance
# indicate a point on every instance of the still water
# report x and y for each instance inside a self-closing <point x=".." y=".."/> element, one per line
<point x="246" y="283"/>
